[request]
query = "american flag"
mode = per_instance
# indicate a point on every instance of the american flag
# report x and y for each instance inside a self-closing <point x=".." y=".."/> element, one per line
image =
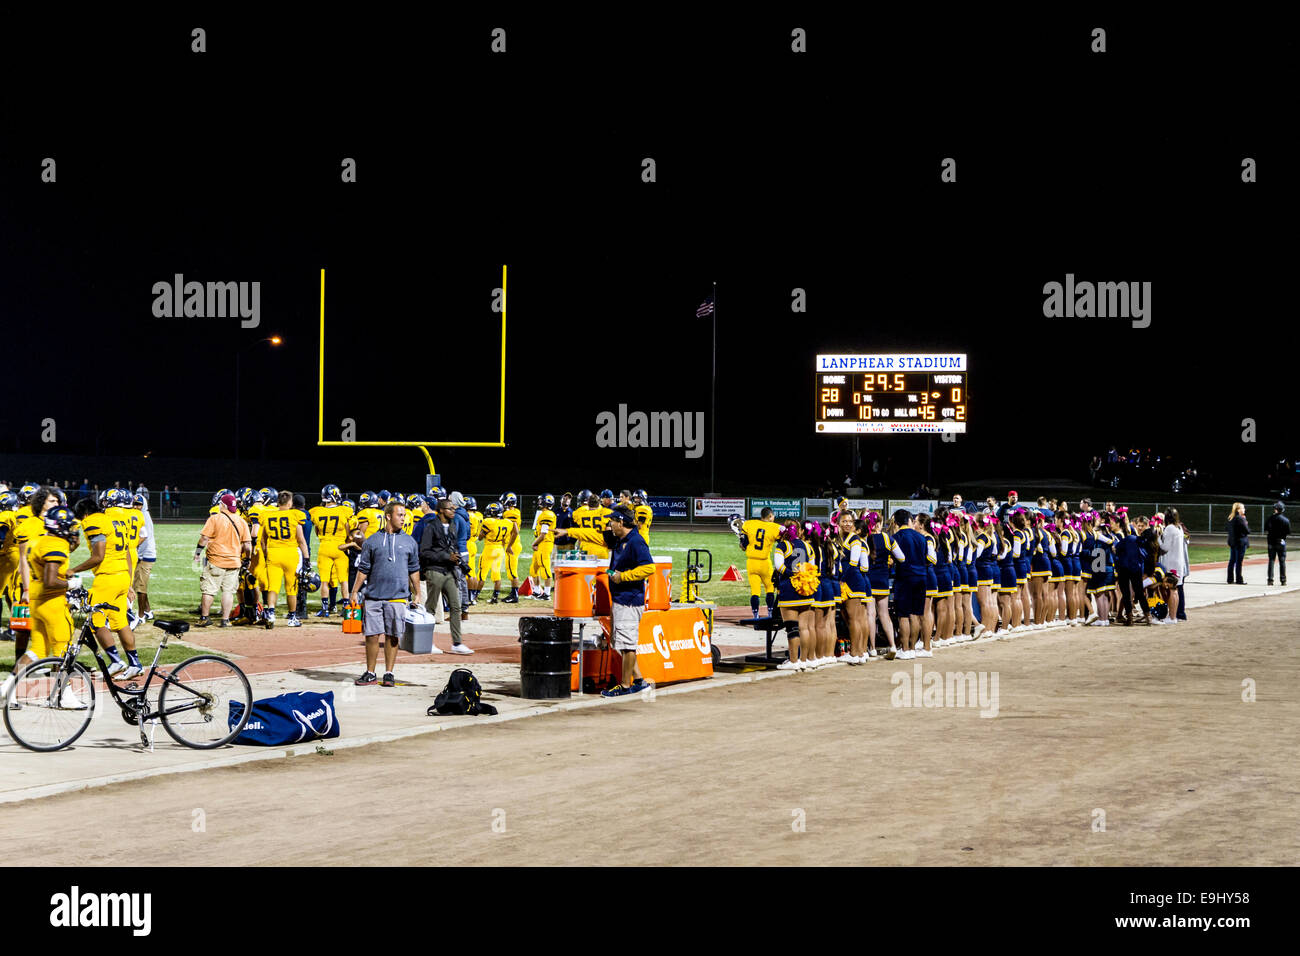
<point x="706" y="308"/>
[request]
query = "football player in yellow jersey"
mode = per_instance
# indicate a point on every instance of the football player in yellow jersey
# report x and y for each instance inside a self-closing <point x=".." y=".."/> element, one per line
<point x="471" y="547"/>
<point x="331" y="519"/>
<point x="645" y="515"/>
<point x="510" y="511"/>
<point x="27" y="525"/>
<point x="370" y="516"/>
<point x="48" y="558"/>
<point x="497" y="534"/>
<point x="8" y="554"/>
<point x="286" y="551"/>
<point x="757" y="535"/>
<point x="264" y="500"/>
<point x="539" y="572"/>
<point x="110" y="560"/>
<point x="216" y="508"/>
<point x="592" y="517"/>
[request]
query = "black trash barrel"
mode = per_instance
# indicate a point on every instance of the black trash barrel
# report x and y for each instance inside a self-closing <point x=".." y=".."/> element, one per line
<point x="544" y="657"/>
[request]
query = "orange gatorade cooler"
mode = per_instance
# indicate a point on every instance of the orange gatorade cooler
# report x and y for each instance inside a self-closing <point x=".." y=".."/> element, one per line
<point x="659" y="586"/>
<point x="575" y="586"/>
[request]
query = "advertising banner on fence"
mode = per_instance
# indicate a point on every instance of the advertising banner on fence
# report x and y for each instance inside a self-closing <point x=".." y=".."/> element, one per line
<point x="719" y="507"/>
<point x="821" y="508"/>
<point x="669" y="507"/>
<point x="781" y="507"/>
<point x="914" y="505"/>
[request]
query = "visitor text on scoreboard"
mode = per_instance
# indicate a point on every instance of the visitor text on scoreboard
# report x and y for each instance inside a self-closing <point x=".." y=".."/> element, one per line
<point x="900" y="393"/>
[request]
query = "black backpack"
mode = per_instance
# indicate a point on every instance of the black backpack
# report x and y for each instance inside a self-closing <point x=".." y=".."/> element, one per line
<point x="462" y="695"/>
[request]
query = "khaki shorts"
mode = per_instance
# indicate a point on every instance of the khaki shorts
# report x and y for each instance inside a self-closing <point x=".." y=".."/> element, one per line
<point x="140" y="584"/>
<point x="217" y="579"/>
<point x="627" y="626"/>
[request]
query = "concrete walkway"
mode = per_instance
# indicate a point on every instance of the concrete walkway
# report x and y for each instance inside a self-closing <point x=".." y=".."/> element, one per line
<point x="323" y="659"/>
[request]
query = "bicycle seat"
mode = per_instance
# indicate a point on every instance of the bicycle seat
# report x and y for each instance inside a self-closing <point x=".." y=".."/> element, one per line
<point x="172" y="627"/>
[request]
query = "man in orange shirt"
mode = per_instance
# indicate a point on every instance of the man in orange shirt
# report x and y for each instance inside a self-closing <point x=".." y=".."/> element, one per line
<point x="225" y="536"/>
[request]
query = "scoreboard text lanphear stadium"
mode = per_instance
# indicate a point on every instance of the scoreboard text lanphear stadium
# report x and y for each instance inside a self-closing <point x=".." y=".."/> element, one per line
<point x="892" y="393"/>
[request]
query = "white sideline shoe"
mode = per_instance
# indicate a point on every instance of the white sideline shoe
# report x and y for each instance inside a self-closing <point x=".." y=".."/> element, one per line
<point x="924" y="653"/>
<point x="461" y="649"/>
<point x="788" y="666"/>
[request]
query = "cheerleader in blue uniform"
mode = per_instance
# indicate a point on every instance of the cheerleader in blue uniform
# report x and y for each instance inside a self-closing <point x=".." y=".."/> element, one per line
<point x="987" y="576"/>
<point x="796" y="609"/>
<point x="969" y="619"/>
<point x="1020" y="551"/>
<point x="1008" y="593"/>
<point x="826" y="556"/>
<point x="1040" y="568"/>
<point x="1102" y="583"/>
<point x="943" y="572"/>
<point x="931" y="585"/>
<point x="854" y="584"/>
<point x="1056" y="580"/>
<point x="881" y="550"/>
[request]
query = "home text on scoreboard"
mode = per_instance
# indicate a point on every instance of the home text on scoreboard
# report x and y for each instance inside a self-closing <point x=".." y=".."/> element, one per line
<point x="891" y="393"/>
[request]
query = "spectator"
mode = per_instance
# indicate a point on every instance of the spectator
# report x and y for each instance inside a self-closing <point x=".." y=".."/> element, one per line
<point x="227" y="540"/>
<point x="1174" y="542"/>
<point x="957" y="503"/>
<point x="1238" y="541"/>
<point x="84" y="490"/>
<point x="176" y="501"/>
<point x="1277" y="527"/>
<point x="389" y="571"/>
<point x="1012" y="498"/>
<point x="991" y="505"/>
<point x="462" y="539"/>
<point x="439" y="555"/>
<point x="147" y="554"/>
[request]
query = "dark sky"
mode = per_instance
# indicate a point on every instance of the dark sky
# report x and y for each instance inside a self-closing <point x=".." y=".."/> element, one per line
<point x="774" y="172"/>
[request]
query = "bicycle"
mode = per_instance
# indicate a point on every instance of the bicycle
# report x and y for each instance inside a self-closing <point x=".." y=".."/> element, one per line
<point x="203" y="702"/>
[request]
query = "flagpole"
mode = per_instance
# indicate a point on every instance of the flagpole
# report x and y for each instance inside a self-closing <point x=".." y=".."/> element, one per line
<point x="713" y="397"/>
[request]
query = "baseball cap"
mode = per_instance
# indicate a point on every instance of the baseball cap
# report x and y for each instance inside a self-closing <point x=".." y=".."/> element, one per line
<point x="229" y="501"/>
<point x="607" y="493"/>
<point x="1016" y="493"/>
<point x="1278" y="506"/>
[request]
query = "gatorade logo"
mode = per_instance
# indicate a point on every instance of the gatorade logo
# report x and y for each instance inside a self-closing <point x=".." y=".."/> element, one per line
<point x="661" y="645"/>
<point x="702" y="637"/>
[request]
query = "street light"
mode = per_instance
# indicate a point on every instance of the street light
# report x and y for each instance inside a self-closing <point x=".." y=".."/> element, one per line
<point x="275" y="340"/>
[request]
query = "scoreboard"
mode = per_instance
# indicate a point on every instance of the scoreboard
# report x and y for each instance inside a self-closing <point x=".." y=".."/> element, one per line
<point x="891" y="393"/>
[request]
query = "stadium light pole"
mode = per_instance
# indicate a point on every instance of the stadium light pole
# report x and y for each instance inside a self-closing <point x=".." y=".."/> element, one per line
<point x="275" y="341"/>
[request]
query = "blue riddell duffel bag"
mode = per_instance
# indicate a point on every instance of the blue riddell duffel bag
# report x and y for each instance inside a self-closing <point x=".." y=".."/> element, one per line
<point x="287" y="719"/>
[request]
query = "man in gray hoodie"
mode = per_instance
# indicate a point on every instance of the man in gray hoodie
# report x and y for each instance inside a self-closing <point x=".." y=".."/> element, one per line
<point x="389" y="569"/>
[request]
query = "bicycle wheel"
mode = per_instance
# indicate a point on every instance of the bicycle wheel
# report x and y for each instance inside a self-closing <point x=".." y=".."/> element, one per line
<point x="49" y="705"/>
<point x="196" y="702"/>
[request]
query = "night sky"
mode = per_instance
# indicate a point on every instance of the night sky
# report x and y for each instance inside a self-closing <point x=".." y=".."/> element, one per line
<point x="774" y="172"/>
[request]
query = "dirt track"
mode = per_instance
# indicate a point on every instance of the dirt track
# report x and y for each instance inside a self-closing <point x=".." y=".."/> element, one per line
<point x="1145" y="724"/>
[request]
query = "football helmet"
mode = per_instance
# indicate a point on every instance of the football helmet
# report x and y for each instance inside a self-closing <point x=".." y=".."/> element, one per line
<point x="125" y="498"/>
<point x="471" y="503"/>
<point x="399" y="498"/>
<point x="105" y="498"/>
<point x="382" y="498"/>
<point x="368" y="499"/>
<point x="8" y="501"/>
<point x="349" y="503"/>
<point x="218" y="495"/>
<point x="584" y="496"/>
<point x="331" y="495"/>
<point x="639" y="496"/>
<point x="437" y="492"/>
<point x="268" y="496"/>
<point x="547" y="501"/>
<point x="140" y="500"/>
<point x="415" y="501"/>
<point x="509" y="500"/>
<point x="308" y="579"/>
<point x="62" y="522"/>
<point x="239" y="495"/>
<point x="735" y="524"/>
<point x="61" y="495"/>
<point x="493" y="510"/>
<point x="25" y="492"/>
